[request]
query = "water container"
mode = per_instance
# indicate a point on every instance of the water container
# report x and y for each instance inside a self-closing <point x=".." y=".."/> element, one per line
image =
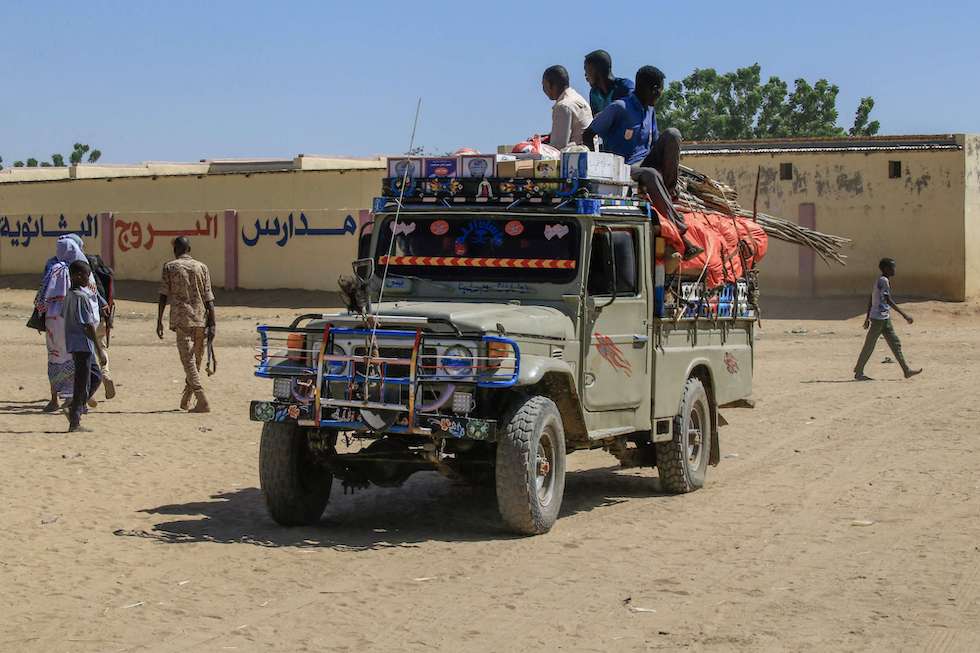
<point x="658" y="289"/>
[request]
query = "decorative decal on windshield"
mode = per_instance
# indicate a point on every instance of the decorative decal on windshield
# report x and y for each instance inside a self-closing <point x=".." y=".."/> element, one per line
<point x="558" y="231"/>
<point x="612" y="353"/>
<point x="482" y="232"/>
<point x="465" y="262"/>
<point x="514" y="228"/>
<point x="439" y="228"/>
<point x="406" y="228"/>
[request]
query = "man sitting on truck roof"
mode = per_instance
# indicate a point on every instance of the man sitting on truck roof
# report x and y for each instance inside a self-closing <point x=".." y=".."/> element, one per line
<point x="571" y="113"/>
<point x="628" y="127"/>
<point x="606" y="87"/>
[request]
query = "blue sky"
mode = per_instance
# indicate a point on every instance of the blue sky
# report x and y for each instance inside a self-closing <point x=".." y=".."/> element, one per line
<point x="183" y="81"/>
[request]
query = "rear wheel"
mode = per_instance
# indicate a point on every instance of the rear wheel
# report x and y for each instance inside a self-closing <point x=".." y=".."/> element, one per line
<point x="296" y="489"/>
<point x="683" y="461"/>
<point x="530" y="467"/>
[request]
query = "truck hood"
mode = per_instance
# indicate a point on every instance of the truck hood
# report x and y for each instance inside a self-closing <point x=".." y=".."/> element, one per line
<point x="534" y="321"/>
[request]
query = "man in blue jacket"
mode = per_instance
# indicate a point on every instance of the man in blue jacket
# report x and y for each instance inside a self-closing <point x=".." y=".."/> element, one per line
<point x="628" y="127"/>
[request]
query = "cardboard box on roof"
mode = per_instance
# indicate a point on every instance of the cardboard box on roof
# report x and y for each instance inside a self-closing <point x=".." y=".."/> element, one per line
<point x="515" y="168"/>
<point x="398" y="164"/>
<point x="477" y="165"/>
<point x="591" y="165"/>
<point x="547" y="169"/>
<point x="442" y="166"/>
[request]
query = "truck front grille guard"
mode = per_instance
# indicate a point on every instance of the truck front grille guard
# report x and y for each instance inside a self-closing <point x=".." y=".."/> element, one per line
<point x="371" y="369"/>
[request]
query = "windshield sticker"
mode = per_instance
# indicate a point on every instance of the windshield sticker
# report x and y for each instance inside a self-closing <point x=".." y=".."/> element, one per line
<point x="499" y="287"/>
<point x="558" y="231"/>
<point x="464" y="262"/>
<point x="482" y="232"/>
<point x="439" y="228"/>
<point x="612" y="353"/>
<point x="514" y="228"/>
<point x="406" y="228"/>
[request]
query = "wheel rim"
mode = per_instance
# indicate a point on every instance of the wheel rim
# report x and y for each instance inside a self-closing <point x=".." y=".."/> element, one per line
<point x="695" y="435"/>
<point x="544" y="467"/>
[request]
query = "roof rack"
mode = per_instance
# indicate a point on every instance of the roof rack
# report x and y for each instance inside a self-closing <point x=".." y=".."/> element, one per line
<point x="574" y="195"/>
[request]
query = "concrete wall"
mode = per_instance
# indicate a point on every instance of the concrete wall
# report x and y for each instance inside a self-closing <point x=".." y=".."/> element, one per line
<point x="229" y="218"/>
<point x="971" y="151"/>
<point x="918" y="218"/>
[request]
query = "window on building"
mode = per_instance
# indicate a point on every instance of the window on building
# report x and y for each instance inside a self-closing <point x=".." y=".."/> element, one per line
<point x="785" y="171"/>
<point x="894" y="169"/>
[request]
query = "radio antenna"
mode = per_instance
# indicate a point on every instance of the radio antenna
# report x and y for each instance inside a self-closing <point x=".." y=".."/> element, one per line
<point x="394" y="231"/>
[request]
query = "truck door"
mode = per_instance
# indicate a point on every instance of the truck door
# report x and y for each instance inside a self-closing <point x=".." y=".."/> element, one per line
<point x="616" y="342"/>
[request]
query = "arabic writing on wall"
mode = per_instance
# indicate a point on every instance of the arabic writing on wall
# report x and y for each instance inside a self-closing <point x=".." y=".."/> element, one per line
<point x="286" y="230"/>
<point x="130" y="235"/>
<point x="25" y="231"/>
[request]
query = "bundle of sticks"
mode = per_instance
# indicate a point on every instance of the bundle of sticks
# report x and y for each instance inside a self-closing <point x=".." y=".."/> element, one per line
<point x="700" y="192"/>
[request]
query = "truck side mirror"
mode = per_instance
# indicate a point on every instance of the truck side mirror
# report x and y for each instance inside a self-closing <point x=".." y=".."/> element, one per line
<point x="364" y="240"/>
<point x="363" y="269"/>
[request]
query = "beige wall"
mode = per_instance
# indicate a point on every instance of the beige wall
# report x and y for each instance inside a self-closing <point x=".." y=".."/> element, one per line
<point x="971" y="149"/>
<point x="917" y="219"/>
<point x="143" y="205"/>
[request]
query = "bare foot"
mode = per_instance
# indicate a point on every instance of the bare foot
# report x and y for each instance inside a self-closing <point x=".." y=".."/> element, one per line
<point x="862" y="377"/>
<point x="910" y="373"/>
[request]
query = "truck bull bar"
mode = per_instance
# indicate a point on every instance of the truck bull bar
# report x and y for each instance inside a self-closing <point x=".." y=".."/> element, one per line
<point x="379" y="384"/>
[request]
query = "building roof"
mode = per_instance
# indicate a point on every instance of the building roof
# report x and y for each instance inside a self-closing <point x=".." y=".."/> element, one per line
<point x="836" y="144"/>
<point x="203" y="167"/>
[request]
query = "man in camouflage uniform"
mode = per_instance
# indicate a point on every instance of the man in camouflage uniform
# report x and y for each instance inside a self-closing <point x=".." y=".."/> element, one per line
<point x="186" y="286"/>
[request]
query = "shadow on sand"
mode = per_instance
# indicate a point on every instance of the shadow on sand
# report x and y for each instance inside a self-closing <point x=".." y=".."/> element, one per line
<point x="427" y="508"/>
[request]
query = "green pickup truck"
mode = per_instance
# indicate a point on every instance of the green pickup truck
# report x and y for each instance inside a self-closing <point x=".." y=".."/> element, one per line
<point x="508" y="335"/>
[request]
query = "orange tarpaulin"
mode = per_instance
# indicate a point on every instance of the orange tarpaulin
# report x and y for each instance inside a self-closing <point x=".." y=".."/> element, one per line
<point x="719" y="235"/>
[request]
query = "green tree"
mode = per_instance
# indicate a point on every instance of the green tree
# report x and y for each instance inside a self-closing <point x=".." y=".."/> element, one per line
<point x="79" y="150"/>
<point x="861" y="125"/>
<point x="736" y="105"/>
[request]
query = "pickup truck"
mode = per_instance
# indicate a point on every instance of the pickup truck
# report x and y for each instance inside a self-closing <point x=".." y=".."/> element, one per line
<point x="502" y="337"/>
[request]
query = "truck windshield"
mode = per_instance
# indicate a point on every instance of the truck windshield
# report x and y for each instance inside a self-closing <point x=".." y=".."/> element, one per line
<point x="484" y="248"/>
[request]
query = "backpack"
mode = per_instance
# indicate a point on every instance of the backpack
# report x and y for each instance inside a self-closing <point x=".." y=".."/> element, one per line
<point x="103" y="278"/>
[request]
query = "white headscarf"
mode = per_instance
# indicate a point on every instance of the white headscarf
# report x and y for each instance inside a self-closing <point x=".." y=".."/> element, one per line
<point x="68" y="250"/>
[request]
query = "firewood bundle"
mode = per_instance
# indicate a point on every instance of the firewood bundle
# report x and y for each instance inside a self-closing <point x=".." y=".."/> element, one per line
<point x="700" y="192"/>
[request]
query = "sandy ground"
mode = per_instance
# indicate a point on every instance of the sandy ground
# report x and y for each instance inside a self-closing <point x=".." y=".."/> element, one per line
<point x="843" y="517"/>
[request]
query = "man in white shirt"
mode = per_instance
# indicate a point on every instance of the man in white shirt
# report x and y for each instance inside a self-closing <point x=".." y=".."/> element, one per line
<point x="571" y="113"/>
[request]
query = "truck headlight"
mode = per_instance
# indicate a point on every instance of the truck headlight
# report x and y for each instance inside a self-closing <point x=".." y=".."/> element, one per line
<point x="457" y="361"/>
<point x="501" y="358"/>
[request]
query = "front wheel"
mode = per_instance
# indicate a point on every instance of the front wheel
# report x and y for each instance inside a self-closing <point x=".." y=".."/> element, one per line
<point x="530" y="467"/>
<point x="296" y="489"/>
<point x="682" y="462"/>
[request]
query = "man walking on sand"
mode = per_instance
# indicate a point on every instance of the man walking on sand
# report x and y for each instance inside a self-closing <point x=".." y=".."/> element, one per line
<point x="186" y="286"/>
<point x="878" y="322"/>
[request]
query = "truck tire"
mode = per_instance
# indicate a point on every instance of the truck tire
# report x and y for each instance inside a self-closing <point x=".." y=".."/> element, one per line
<point x="296" y="489"/>
<point x="683" y="461"/>
<point x="530" y="467"/>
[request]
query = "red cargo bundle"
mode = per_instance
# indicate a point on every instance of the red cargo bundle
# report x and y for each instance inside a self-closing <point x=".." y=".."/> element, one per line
<point x="719" y="235"/>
